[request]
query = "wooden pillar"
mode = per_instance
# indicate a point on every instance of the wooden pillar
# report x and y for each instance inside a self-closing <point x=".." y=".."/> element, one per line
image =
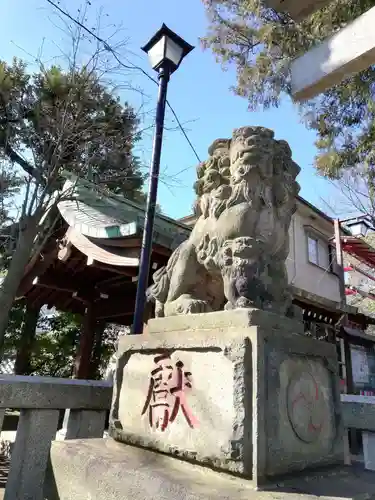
<point x="343" y="360"/>
<point x="97" y="350"/>
<point x="340" y="261"/>
<point x="349" y="442"/>
<point x="22" y="365"/>
<point x="354" y="435"/>
<point x="86" y="344"/>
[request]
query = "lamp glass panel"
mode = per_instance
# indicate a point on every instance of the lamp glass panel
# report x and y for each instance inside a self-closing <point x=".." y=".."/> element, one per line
<point x="174" y="52"/>
<point x="359" y="229"/>
<point x="156" y="53"/>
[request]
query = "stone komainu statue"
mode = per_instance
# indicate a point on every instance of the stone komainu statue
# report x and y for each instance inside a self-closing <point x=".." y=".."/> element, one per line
<point x="235" y="256"/>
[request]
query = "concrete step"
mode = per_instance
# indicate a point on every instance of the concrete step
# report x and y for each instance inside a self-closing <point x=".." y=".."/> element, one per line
<point x="101" y="469"/>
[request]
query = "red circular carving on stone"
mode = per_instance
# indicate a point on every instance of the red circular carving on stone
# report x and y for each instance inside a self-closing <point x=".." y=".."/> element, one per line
<point x="307" y="408"/>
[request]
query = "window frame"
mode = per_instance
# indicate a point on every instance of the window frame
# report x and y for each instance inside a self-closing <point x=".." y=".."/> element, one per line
<point x="312" y="234"/>
<point x="314" y="239"/>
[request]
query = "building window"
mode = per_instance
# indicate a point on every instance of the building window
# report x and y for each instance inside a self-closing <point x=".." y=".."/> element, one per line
<point x="312" y="245"/>
<point x="318" y="252"/>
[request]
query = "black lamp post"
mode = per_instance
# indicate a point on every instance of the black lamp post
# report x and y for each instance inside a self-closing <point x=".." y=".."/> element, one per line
<point x="166" y="51"/>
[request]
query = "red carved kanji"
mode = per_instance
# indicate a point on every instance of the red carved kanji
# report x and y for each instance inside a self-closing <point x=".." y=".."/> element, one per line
<point x="167" y="394"/>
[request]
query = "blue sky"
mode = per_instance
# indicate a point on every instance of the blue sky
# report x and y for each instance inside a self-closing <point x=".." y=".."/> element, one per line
<point x="199" y="91"/>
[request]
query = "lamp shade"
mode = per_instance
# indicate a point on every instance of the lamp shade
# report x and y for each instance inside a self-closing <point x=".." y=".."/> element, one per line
<point x="359" y="229"/>
<point x="359" y="226"/>
<point x="166" y="49"/>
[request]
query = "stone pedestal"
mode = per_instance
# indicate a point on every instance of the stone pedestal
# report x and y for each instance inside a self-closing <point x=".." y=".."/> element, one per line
<point x="243" y="391"/>
<point x="101" y="469"/>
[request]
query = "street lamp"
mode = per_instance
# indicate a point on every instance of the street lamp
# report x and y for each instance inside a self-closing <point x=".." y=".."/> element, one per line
<point x="165" y="50"/>
<point x="359" y="226"/>
<point x="359" y="229"/>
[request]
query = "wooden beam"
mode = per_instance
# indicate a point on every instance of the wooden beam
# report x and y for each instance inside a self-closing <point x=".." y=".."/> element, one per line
<point x="58" y="283"/>
<point x="135" y="244"/>
<point x="297" y="9"/>
<point x="119" y="242"/>
<point x="38" y="269"/>
<point x="350" y="50"/>
<point x="119" y="306"/>
<point x="107" y="285"/>
<point x="110" y="316"/>
<point x="355" y="289"/>
<point x="159" y="249"/>
<point x="353" y="267"/>
<point x="71" y="306"/>
<point x="41" y="282"/>
<point x="114" y="280"/>
<point x="116" y="270"/>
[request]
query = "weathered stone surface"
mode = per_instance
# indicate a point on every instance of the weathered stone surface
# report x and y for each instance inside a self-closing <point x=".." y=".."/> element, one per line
<point x="85" y="424"/>
<point x="36" y="429"/>
<point x="18" y="391"/>
<point x="235" y="255"/>
<point x="259" y="400"/>
<point x="101" y="469"/>
<point x="212" y="324"/>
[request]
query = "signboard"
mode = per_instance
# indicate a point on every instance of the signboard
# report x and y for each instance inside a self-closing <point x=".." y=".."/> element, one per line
<point x="360" y="368"/>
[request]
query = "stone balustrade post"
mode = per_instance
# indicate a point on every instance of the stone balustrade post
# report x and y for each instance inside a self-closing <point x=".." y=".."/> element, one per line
<point x="41" y="399"/>
<point x="36" y="430"/>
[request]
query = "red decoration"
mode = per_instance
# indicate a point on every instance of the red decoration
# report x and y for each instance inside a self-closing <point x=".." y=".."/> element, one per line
<point x="167" y="394"/>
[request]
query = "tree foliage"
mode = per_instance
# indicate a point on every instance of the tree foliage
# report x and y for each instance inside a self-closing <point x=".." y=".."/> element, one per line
<point x="14" y="330"/>
<point x="10" y="184"/>
<point x="261" y="43"/>
<point x="59" y="120"/>
<point x="65" y="117"/>
<point x="56" y="344"/>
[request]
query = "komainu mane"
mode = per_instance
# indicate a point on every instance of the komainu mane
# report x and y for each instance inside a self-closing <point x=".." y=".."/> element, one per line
<point x="235" y="256"/>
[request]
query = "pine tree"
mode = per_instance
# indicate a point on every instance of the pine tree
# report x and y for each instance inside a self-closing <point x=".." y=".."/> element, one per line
<point x="58" y="121"/>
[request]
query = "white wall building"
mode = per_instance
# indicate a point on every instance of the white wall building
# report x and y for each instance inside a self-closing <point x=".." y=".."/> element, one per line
<point x="311" y="261"/>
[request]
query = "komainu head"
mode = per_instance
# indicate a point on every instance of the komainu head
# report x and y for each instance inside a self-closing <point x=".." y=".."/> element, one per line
<point x="250" y="167"/>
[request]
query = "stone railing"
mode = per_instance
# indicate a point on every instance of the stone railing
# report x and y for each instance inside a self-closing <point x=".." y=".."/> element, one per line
<point x="40" y="401"/>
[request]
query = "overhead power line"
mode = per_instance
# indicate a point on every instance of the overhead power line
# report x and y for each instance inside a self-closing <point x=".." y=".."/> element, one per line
<point x="130" y="65"/>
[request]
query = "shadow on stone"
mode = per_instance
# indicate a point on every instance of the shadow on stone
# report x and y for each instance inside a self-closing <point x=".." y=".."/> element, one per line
<point x="50" y="487"/>
<point x="341" y="482"/>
